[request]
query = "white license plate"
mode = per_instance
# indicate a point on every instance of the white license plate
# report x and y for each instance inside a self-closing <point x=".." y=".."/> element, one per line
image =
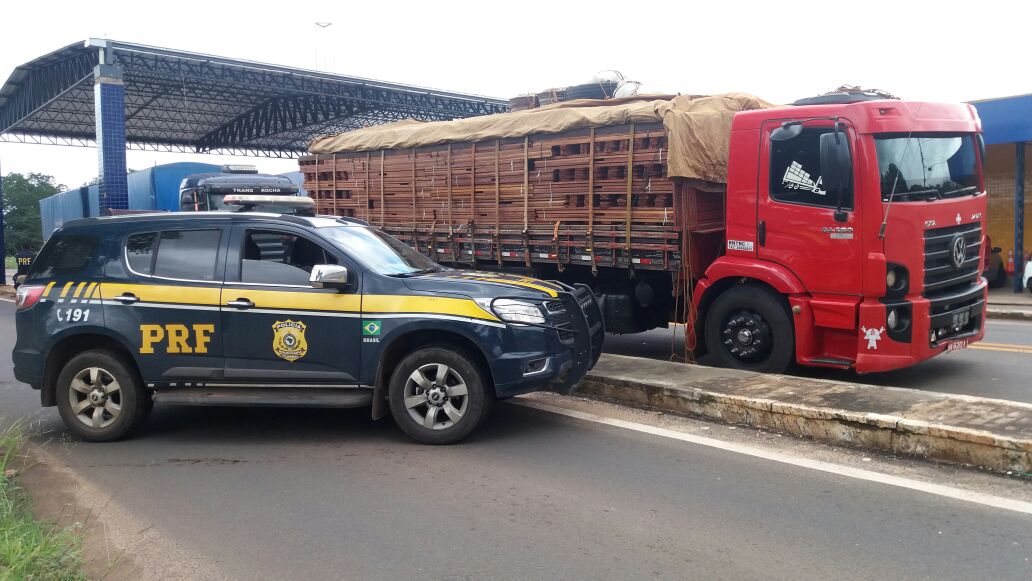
<point x="956" y="346"/>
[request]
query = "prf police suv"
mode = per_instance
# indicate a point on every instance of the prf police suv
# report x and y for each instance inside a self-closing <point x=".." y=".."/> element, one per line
<point x="238" y="308"/>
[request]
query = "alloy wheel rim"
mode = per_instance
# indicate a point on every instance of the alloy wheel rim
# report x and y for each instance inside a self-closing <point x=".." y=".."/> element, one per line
<point x="95" y="397"/>
<point x="747" y="337"/>
<point x="436" y="396"/>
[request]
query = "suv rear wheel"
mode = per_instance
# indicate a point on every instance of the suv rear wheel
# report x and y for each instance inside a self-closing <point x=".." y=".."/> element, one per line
<point x="438" y="395"/>
<point x="100" y="398"/>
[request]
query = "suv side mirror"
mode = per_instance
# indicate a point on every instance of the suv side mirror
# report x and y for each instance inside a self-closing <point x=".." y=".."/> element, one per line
<point x="328" y="276"/>
<point x="836" y="168"/>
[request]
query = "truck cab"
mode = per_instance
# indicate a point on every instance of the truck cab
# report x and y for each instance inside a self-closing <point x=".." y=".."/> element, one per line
<point x="248" y="308"/>
<point x="208" y="191"/>
<point x="860" y="224"/>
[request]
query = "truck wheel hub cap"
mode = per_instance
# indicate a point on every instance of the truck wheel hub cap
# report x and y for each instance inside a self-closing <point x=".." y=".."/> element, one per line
<point x="436" y="396"/>
<point x="747" y="337"/>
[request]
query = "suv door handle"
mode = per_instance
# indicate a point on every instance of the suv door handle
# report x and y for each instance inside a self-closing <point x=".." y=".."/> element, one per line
<point x="127" y="298"/>
<point x="241" y="304"/>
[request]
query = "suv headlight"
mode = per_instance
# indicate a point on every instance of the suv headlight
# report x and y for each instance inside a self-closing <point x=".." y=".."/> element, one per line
<point x="513" y="311"/>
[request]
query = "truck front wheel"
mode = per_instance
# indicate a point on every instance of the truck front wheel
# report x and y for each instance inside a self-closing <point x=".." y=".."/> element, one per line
<point x="438" y="395"/>
<point x="749" y="328"/>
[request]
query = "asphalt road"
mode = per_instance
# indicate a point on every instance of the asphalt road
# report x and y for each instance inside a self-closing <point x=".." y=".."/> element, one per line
<point x="329" y="494"/>
<point x="998" y="367"/>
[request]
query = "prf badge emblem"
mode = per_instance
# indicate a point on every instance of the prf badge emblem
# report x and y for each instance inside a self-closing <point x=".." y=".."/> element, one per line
<point x="288" y="340"/>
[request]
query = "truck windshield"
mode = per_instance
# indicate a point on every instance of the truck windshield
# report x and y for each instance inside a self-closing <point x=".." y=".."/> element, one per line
<point x="926" y="166"/>
<point x="379" y="252"/>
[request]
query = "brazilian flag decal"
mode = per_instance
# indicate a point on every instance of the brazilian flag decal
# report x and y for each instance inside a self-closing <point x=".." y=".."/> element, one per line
<point x="370" y="328"/>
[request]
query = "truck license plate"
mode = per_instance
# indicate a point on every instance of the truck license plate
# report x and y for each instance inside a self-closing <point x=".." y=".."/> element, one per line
<point x="956" y="346"/>
<point x="961" y="319"/>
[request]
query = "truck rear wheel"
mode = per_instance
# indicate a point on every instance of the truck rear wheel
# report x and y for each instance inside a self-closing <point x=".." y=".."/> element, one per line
<point x="438" y="395"/>
<point x="749" y="328"/>
<point x="100" y="398"/>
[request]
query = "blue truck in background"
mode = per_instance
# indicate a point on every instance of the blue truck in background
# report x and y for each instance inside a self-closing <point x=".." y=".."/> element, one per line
<point x="164" y="188"/>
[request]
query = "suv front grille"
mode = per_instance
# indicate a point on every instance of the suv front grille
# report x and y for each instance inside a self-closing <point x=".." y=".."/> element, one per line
<point x="555" y="306"/>
<point x="941" y="274"/>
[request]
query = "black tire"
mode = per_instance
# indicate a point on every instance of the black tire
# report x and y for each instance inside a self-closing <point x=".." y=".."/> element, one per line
<point x="475" y="405"/>
<point x="134" y="403"/>
<point x="1000" y="280"/>
<point x="749" y="328"/>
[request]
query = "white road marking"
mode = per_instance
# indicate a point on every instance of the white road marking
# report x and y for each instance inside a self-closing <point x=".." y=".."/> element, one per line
<point x="847" y="471"/>
<point x="6" y="300"/>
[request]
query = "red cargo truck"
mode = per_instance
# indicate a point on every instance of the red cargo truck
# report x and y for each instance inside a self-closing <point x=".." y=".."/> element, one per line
<point x="843" y="231"/>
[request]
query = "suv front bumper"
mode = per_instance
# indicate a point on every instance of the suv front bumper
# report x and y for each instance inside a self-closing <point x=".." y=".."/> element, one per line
<point x="569" y="344"/>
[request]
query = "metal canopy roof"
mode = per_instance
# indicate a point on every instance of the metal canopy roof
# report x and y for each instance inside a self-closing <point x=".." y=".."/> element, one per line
<point x="189" y="102"/>
<point x="1006" y="119"/>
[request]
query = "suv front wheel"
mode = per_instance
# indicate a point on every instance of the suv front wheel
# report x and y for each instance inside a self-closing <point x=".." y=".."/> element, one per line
<point x="438" y="395"/>
<point x="100" y="398"/>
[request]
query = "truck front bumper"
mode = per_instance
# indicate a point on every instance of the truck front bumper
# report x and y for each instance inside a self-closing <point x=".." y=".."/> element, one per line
<point x="936" y="325"/>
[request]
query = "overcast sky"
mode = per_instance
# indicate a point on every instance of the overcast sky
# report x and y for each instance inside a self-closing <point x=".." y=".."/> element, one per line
<point x="937" y="51"/>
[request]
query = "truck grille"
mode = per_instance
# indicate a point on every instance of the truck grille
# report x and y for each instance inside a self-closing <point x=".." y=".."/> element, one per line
<point x="942" y="275"/>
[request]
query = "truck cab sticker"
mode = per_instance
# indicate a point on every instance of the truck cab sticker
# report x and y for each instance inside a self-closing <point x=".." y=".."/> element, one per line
<point x="796" y="178"/>
<point x="872" y="336"/>
<point x="743" y="245"/>
<point x="288" y="340"/>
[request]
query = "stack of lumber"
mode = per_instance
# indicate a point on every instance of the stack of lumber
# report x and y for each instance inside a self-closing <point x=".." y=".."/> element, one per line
<point x="591" y="196"/>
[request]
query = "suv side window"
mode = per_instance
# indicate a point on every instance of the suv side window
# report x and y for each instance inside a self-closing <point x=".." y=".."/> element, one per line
<point x="187" y="254"/>
<point x="280" y="258"/>
<point x="64" y="256"/>
<point x="139" y="252"/>
<point x="795" y="171"/>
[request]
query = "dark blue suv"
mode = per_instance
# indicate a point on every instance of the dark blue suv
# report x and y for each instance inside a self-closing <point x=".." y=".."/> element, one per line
<point x="237" y="308"/>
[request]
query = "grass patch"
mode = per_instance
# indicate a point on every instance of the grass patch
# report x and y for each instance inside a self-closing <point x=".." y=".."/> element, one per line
<point x="30" y="549"/>
<point x="9" y="263"/>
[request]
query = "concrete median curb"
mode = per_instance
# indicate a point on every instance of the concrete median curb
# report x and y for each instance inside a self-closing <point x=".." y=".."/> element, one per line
<point x="991" y="433"/>
<point x="1010" y="313"/>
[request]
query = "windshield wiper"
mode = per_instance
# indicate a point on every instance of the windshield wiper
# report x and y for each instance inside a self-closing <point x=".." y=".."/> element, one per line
<point x="415" y="272"/>
<point x="929" y="194"/>
<point x="960" y="192"/>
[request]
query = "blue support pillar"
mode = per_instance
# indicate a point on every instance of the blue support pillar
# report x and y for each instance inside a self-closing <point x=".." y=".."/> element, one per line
<point x="1019" y="215"/>
<point x="3" y="241"/>
<point x="109" y="102"/>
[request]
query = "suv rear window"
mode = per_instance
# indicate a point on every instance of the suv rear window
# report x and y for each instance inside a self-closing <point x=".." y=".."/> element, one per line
<point x="186" y="254"/>
<point x="64" y="256"/>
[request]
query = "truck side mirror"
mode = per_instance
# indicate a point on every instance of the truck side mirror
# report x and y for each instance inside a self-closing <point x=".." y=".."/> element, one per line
<point x="788" y="130"/>
<point x="328" y="276"/>
<point x="836" y="168"/>
<point x="186" y="202"/>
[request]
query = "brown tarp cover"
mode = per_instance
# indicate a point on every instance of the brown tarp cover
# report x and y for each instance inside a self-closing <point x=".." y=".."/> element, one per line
<point x="698" y="127"/>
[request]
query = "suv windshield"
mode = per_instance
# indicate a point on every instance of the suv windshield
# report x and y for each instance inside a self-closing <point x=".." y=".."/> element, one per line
<point x="926" y="166"/>
<point x="379" y="252"/>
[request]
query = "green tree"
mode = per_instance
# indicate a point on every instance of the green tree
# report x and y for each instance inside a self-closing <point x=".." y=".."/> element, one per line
<point x="22" y="194"/>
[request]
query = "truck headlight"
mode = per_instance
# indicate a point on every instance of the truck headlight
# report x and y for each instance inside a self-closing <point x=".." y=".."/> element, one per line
<point x="513" y="311"/>
<point x="893" y="319"/>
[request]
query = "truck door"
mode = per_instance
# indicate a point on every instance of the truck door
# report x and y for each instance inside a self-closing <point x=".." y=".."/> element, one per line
<point x="796" y="224"/>
<point x="162" y="295"/>
<point x="276" y="327"/>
